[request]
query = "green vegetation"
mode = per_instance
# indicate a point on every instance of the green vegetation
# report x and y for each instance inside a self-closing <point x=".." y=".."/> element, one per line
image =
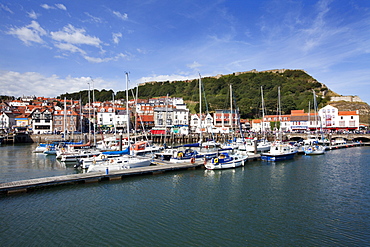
<point x="295" y="85"/>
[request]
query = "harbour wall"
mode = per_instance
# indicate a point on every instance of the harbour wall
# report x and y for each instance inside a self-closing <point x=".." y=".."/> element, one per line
<point x="175" y="139"/>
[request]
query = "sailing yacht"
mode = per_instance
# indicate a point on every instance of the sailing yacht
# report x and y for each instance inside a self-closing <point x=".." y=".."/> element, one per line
<point x="225" y="160"/>
<point x="314" y="148"/>
<point x="279" y="150"/>
<point x="263" y="144"/>
<point x="124" y="161"/>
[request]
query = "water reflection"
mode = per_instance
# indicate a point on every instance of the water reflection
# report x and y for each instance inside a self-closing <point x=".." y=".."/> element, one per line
<point x="18" y="162"/>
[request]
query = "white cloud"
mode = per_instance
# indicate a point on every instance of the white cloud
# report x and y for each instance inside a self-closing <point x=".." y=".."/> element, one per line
<point x="30" y="33"/>
<point x="194" y="65"/>
<point x="141" y="51"/>
<point x="103" y="60"/>
<point x="14" y="83"/>
<point x="2" y="6"/>
<point x="60" y="6"/>
<point x="116" y="37"/>
<point x="76" y="36"/>
<point x="165" y="78"/>
<point x="45" y="6"/>
<point x="70" y="48"/>
<point x="32" y="14"/>
<point x="123" y="16"/>
<point x="94" y="18"/>
<point x="57" y="5"/>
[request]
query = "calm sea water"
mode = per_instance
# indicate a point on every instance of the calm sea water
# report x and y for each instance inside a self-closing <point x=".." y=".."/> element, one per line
<point x="310" y="201"/>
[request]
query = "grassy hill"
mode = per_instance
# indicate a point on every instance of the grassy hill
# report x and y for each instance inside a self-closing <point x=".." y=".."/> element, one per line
<point x="295" y="85"/>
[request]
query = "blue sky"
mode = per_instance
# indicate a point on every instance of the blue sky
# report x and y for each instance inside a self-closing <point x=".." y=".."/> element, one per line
<point x="51" y="47"/>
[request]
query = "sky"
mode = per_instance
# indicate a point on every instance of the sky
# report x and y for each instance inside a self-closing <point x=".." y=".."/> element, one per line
<point x="48" y="48"/>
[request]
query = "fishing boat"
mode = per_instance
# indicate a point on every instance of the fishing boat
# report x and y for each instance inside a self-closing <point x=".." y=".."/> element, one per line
<point x="225" y="161"/>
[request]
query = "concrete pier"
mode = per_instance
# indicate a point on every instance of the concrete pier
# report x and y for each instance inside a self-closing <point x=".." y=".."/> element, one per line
<point x="158" y="167"/>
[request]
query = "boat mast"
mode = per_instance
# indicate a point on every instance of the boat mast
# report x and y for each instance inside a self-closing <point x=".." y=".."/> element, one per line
<point x="200" y="109"/>
<point x="135" y="110"/>
<point x="309" y="115"/>
<point x="127" y="112"/>
<point x="316" y="115"/>
<point x="65" y="119"/>
<point x="94" y="123"/>
<point x="263" y="111"/>
<point x="89" y="113"/>
<point x="81" y="129"/>
<point x="279" y="116"/>
<point x="165" y="123"/>
<point x="231" y="108"/>
<point x="115" y="117"/>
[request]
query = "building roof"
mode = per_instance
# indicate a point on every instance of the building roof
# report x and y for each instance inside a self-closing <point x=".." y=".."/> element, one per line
<point x="347" y="113"/>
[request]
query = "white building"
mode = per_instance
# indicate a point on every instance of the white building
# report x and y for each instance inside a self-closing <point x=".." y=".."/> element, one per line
<point x="108" y="117"/>
<point x="332" y="119"/>
<point x="205" y="124"/>
<point x="7" y="120"/>
<point x="42" y="121"/>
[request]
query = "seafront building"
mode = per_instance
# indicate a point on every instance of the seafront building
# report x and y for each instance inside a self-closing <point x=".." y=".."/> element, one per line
<point x="50" y="115"/>
<point x="328" y="119"/>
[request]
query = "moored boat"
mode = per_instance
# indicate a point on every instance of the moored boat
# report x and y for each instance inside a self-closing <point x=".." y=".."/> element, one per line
<point x="225" y="161"/>
<point x="120" y="163"/>
<point x="279" y="151"/>
<point x="314" y="150"/>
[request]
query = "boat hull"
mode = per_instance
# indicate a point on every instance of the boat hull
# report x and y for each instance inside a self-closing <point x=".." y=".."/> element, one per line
<point x="226" y="163"/>
<point x="221" y="166"/>
<point x="277" y="157"/>
<point x="121" y="164"/>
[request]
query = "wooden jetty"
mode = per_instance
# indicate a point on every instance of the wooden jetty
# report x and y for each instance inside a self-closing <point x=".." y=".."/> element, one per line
<point x="84" y="178"/>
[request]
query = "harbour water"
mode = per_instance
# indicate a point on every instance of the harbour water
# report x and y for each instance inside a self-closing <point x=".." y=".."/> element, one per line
<point x="309" y="201"/>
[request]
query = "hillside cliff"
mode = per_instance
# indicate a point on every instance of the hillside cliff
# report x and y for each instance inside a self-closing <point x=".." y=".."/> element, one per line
<point x="296" y="88"/>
